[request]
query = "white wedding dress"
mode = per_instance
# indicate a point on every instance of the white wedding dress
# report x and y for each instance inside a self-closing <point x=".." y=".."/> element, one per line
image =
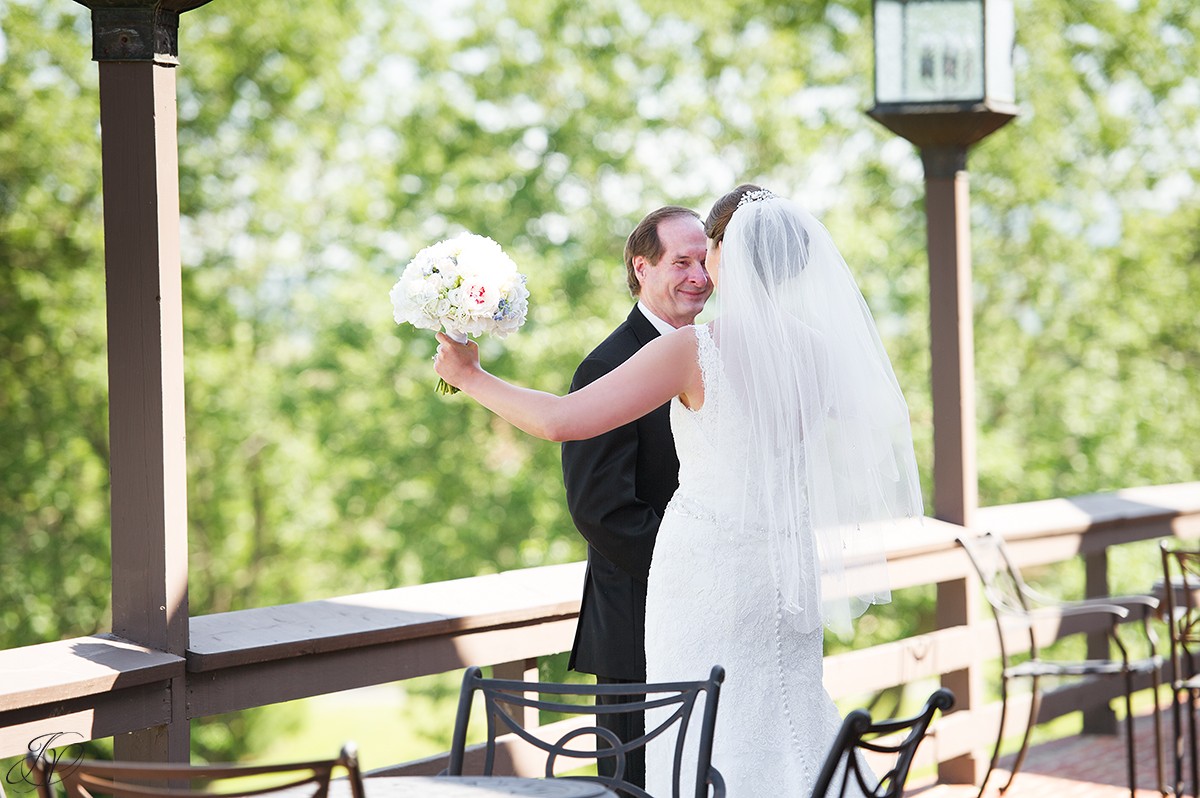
<point x="712" y="600"/>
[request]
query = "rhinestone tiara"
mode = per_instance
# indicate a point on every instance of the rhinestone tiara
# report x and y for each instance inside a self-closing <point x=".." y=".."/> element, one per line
<point x="758" y="195"/>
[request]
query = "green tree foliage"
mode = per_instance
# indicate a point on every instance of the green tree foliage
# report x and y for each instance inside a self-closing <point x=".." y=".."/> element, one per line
<point x="323" y="143"/>
<point x="1087" y="256"/>
<point x="53" y="382"/>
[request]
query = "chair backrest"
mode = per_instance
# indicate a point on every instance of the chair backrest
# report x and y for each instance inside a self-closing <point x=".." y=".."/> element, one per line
<point x="1003" y="586"/>
<point x="845" y="772"/>
<point x="1181" y="582"/>
<point x="86" y="778"/>
<point x="506" y="701"/>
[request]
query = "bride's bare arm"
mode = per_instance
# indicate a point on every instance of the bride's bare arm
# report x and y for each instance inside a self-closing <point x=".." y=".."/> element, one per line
<point x="663" y="368"/>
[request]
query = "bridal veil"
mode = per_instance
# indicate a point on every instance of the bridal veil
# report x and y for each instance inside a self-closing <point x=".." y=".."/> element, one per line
<point x="819" y="429"/>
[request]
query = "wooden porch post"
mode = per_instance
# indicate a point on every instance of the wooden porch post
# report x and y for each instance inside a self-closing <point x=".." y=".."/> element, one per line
<point x="136" y="45"/>
<point x="944" y="131"/>
<point x="951" y="333"/>
<point x="952" y="349"/>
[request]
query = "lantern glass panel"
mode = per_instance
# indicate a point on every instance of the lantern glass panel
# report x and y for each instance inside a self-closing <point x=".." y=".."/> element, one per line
<point x="929" y="51"/>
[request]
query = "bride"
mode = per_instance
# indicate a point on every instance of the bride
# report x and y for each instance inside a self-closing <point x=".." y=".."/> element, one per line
<point x="796" y="459"/>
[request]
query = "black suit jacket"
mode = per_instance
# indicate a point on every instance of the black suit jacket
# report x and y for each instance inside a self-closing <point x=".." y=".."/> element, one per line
<point x="618" y="485"/>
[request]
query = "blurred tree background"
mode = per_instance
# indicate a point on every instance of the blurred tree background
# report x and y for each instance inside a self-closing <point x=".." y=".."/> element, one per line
<point x="323" y="143"/>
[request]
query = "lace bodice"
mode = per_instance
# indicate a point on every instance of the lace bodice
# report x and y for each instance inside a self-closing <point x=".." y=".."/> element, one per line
<point x="694" y="430"/>
<point x="705" y="479"/>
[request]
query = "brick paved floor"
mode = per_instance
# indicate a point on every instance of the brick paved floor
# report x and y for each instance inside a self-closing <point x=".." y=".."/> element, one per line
<point x="1084" y="766"/>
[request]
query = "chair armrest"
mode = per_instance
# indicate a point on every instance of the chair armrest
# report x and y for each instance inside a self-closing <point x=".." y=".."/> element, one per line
<point x="1114" y="612"/>
<point x="1146" y="602"/>
<point x="1071" y="609"/>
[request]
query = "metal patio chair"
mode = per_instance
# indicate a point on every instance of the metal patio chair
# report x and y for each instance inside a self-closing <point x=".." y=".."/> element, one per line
<point x="506" y="701"/>
<point x="86" y="778"/>
<point x="1181" y="581"/>
<point x="1015" y="603"/>
<point x="843" y="769"/>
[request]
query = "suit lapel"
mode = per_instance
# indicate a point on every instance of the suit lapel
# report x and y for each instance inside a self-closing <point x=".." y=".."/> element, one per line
<point x="643" y="330"/>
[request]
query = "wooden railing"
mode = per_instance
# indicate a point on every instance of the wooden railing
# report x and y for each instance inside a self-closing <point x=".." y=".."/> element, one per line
<point x="100" y="686"/>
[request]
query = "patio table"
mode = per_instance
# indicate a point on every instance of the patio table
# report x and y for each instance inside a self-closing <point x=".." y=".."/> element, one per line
<point x="471" y="787"/>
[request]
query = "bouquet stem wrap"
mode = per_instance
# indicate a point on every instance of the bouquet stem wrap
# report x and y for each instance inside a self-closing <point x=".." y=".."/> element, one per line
<point x="443" y="387"/>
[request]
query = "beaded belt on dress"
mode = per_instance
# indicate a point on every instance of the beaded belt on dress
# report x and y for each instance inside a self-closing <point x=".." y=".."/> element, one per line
<point x="692" y="508"/>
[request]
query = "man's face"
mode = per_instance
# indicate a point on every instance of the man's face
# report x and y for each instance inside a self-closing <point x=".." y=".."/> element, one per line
<point x="676" y="287"/>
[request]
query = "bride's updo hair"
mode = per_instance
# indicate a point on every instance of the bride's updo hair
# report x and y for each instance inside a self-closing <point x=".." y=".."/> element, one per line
<point x="722" y="211"/>
<point x="779" y="248"/>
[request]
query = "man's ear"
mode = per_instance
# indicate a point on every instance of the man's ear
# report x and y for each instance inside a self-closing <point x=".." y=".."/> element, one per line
<point x="640" y="264"/>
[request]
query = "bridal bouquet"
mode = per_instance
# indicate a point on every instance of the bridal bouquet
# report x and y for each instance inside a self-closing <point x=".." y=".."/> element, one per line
<point x="465" y="285"/>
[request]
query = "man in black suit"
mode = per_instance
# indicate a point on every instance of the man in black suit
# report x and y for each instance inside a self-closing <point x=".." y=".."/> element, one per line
<point x="618" y="484"/>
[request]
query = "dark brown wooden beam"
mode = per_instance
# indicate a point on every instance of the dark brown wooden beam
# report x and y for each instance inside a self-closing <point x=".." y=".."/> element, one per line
<point x="302" y="676"/>
<point x="951" y="333"/>
<point x="437" y="609"/>
<point x="145" y="371"/>
<point x="136" y="43"/>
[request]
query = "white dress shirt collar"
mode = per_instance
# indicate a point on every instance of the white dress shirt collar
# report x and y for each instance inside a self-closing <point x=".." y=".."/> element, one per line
<point x="660" y="325"/>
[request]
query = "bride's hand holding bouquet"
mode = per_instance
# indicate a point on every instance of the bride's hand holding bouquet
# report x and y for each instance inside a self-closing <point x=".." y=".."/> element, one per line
<point x="455" y="362"/>
<point x="465" y="285"/>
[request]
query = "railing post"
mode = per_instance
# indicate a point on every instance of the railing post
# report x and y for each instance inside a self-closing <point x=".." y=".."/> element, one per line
<point x="136" y="45"/>
<point x="523" y="670"/>
<point x="958" y="604"/>
<point x="1098" y="719"/>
